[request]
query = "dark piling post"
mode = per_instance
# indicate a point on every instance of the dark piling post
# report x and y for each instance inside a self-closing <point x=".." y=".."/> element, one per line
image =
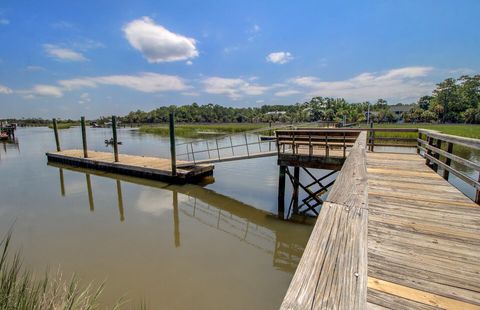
<point x="115" y="144"/>
<point x="120" y="201"/>
<point x="90" y="192"/>
<point x="172" y="144"/>
<point x="176" y="221"/>
<point x="55" y="131"/>
<point x="296" y="180"/>
<point x="281" y="192"/>
<point x="84" y="137"/>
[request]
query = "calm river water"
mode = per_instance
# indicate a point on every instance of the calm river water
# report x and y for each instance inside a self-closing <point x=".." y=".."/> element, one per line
<point x="176" y="247"/>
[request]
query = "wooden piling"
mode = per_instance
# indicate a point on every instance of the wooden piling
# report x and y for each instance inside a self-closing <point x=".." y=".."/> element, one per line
<point x="281" y="192"/>
<point x="84" y="137"/>
<point x="55" y="130"/>
<point x="296" y="180"/>
<point x="172" y="143"/>
<point x="115" y="142"/>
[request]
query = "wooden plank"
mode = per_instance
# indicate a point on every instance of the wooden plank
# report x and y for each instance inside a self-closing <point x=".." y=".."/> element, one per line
<point x="418" y="295"/>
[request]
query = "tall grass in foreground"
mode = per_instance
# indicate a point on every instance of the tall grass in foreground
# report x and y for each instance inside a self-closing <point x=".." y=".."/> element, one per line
<point x="19" y="289"/>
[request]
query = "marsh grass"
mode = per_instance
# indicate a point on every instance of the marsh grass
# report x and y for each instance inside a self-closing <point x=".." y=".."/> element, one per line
<point x="201" y="130"/>
<point x="21" y="290"/>
<point x="64" y="125"/>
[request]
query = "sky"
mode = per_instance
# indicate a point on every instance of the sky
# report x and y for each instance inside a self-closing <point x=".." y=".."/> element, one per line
<point x="72" y="58"/>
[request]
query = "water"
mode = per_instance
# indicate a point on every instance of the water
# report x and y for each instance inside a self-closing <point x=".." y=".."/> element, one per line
<point x="182" y="247"/>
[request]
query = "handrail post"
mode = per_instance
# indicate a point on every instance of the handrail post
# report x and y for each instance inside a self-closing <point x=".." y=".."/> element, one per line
<point x="438" y="145"/>
<point x="172" y="143"/>
<point x="114" y="132"/>
<point x="218" y="150"/>
<point x="246" y="144"/>
<point x="84" y="137"/>
<point x="55" y="131"/>
<point x="448" y="161"/>
<point x="418" y="142"/>
<point x="372" y="138"/>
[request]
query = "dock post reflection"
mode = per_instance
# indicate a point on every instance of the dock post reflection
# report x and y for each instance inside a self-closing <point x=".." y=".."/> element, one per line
<point x="90" y="192"/>
<point x="176" y="221"/>
<point x="62" y="182"/>
<point x="120" y="201"/>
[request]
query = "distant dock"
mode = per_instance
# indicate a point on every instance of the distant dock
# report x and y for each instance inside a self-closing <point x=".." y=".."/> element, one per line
<point x="153" y="168"/>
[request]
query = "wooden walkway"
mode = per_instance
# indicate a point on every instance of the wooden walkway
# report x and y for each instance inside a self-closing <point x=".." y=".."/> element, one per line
<point x="423" y="237"/>
<point x="392" y="234"/>
<point x="140" y="166"/>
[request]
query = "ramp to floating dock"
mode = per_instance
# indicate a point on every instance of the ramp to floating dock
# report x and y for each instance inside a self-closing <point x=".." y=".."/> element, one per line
<point x="154" y="168"/>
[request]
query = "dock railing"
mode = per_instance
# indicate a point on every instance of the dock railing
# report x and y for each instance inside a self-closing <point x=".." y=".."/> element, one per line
<point x="332" y="273"/>
<point x="437" y="149"/>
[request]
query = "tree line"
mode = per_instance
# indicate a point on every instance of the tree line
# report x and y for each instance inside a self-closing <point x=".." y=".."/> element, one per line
<point x="452" y="101"/>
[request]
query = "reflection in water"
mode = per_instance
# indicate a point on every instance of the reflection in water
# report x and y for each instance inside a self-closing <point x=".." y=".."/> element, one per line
<point x="247" y="224"/>
<point x="120" y="201"/>
<point x="62" y="182"/>
<point x="90" y="192"/>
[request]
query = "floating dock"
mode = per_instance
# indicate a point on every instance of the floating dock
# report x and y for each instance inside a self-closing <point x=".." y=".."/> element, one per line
<point x="153" y="168"/>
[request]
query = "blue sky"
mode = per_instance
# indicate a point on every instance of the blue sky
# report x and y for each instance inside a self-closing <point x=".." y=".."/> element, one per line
<point x="72" y="58"/>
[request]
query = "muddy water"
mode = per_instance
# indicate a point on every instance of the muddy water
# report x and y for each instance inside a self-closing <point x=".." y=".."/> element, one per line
<point x="176" y="247"/>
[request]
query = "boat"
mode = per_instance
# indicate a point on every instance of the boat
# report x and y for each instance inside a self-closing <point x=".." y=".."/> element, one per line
<point x="110" y="142"/>
<point x="267" y="138"/>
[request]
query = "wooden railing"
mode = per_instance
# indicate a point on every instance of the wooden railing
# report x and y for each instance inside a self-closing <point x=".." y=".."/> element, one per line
<point x="435" y="146"/>
<point x="306" y="141"/>
<point x="332" y="273"/>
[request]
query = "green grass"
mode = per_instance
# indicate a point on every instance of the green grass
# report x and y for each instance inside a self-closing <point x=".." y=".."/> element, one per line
<point x="64" y="125"/>
<point x="201" y="130"/>
<point x="462" y="130"/>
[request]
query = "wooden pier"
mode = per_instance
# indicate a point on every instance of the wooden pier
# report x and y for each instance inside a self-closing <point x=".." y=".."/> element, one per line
<point x="393" y="233"/>
<point x="155" y="168"/>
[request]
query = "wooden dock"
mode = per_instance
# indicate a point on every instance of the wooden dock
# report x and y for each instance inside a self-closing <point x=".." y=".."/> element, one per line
<point x="393" y="234"/>
<point x="154" y="168"/>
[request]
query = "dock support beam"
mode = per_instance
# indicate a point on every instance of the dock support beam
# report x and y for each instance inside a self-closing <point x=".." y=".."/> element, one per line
<point x="172" y="143"/>
<point x="115" y="142"/>
<point x="55" y="131"/>
<point x="84" y="137"/>
<point x="281" y="192"/>
<point x="296" y="183"/>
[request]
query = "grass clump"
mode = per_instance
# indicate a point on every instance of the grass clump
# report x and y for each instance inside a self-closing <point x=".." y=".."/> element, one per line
<point x="64" y="125"/>
<point x="20" y="290"/>
<point x="201" y="130"/>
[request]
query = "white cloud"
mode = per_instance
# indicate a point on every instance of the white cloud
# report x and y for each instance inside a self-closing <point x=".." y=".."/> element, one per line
<point x="4" y="21"/>
<point x="398" y="84"/>
<point x="84" y="98"/>
<point x="43" y="91"/>
<point x="256" y="28"/>
<point x="233" y="88"/>
<point x="157" y="44"/>
<point x="5" y="90"/>
<point x="279" y="57"/>
<point x="34" y="68"/>
<point x="189" y="63"/>
<point x="145" y="82"/>
<point x="286" y="93"/>
<point x="63" y="54"/>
